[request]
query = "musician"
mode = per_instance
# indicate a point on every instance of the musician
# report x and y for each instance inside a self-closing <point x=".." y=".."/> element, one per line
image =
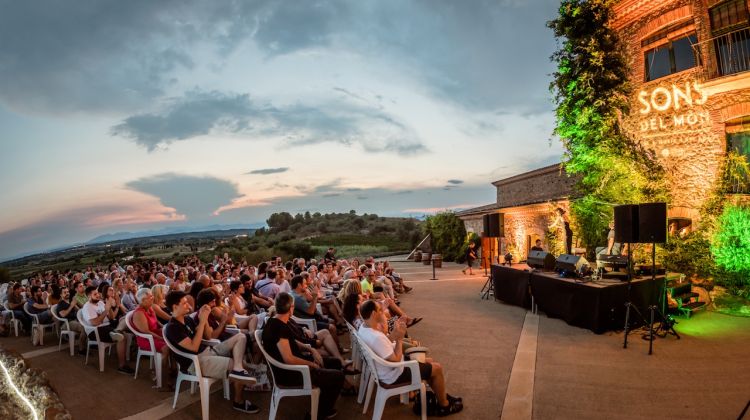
<point x="537" y="246"/>
<point x="613" y="248"/>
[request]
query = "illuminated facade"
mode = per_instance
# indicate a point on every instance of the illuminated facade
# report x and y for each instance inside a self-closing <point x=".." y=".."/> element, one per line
<point x="690" y="77"/>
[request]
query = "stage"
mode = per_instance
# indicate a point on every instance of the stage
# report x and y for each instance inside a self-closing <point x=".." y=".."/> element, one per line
<point x="595" y="305"/>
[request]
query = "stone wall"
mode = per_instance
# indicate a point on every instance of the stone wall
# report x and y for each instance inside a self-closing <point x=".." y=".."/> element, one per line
<point x="473" y="224"/>
<point x="549" y="183"/>
<point x="525" y="224"/>
<point x="680" y="118"/>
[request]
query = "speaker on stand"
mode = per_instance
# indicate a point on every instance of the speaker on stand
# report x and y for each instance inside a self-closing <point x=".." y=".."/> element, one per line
<point x="652" y="228"/>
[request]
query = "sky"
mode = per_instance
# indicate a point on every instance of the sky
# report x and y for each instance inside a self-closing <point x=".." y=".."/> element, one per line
<point x="140" y="115"/>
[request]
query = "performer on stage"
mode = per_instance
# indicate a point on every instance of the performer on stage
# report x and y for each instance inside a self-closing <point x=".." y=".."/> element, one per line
<point x="568" y="231"/>
<point x="613" y="248"/>
<point x="537" y="246"/>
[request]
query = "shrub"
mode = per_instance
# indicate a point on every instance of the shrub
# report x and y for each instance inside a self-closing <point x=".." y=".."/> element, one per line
<point x="447" y="234"/>
<point x="730" y="245"/>
<point x="296" y="249"/>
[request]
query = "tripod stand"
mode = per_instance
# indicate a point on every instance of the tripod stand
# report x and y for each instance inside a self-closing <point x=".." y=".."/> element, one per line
<point x="666" y="325"/>
<point x="628" y="304"/>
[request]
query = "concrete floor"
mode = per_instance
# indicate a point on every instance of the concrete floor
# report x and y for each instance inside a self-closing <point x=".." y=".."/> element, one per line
<point x="578" y="374"/>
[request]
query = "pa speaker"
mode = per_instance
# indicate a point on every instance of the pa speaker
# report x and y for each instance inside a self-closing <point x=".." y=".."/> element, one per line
<point x="541" y="259"/>
<point x="570" y="263"/>
<point x="626" y="223"/>
<point x="496" y="225"/>
<point x="486" y="226"/>
<point x="652" y="223"/>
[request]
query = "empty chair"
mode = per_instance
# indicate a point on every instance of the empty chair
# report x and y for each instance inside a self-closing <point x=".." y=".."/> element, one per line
<point x="280" y="392"/>
<point x="183" y="374"/>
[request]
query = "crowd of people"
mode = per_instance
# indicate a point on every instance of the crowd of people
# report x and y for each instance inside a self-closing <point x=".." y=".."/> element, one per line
<point x="225" y="301"/>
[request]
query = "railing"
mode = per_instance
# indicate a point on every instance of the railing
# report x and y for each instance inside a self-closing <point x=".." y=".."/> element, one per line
<point x="725" y="55"/>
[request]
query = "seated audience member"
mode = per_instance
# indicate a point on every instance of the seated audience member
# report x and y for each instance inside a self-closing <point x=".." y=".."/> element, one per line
<point x="305" y="305"/>
<point x="38" y="306"/>
<point x="267" y="287"/>
<point x="66" y="309"/>
<point x="15" y="304"/>
<point x="240" y="306"/>
<point x="110" y="293"/>
<point x="251" y="295"/>
<point x="220" y="361"/>
<point x="99" y="314"/>
<point x="217" y="319"/>
<point x="279" y="343"/>
<point x="159" y="292"/>
<point x="146" y="322"/>
<point x="325" y="301"/>
<point x="390" y="348"/>
<point x="129" y="300"/>
<point x="80" y="297"/>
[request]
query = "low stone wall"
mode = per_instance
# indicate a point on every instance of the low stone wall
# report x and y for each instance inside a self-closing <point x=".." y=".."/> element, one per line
<point x="32" y="384"/>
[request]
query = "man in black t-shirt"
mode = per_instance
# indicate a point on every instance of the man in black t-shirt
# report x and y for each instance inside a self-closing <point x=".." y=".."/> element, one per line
<point x="215" y="362"/>
<point x="279" y="343"/>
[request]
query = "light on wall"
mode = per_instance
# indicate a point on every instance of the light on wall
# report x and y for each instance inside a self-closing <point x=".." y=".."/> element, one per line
<point x="18" y="391"/>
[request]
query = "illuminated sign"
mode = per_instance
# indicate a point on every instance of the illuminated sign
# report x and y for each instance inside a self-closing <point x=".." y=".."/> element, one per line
<point x="676" y="107"/>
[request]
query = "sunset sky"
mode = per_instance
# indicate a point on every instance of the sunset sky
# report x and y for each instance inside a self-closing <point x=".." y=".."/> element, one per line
<point x="139" y="115"/>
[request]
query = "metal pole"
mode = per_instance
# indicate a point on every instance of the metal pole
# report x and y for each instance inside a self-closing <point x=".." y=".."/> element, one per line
<point x="433" y="269"/>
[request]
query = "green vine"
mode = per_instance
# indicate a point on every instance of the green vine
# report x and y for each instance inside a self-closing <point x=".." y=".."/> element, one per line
<point x="591" y="91"/>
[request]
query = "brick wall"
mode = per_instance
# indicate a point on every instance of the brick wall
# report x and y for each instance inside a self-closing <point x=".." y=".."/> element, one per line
<point x="690" y="153"/>
<point x="549" y="183"/>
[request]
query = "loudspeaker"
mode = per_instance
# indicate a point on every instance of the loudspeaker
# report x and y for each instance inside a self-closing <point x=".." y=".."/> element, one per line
<point x="541" y="259"/>
<point x="652" y="223"/>
<point x="496" y="225"/>
<point x="486" y="226"/>
<point x="626" y="223"/>
<point x="570" y="263"/>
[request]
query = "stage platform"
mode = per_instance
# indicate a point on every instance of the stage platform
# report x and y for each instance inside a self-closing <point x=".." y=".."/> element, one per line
<point x="595" y="305"/>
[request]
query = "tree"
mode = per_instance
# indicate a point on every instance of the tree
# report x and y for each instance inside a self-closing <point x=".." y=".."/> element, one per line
<point x="447" y="234"/>
<point x="4" y="275"/>
<point x="730" y="245"/>
<point x="279" y="221"/>
<point x="591" y="90"/>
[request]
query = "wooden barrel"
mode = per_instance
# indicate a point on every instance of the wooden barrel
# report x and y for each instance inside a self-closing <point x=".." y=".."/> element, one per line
<point x="418" y="256"/>
<point x="437" y="259"/>
<point x="426" y="258"/>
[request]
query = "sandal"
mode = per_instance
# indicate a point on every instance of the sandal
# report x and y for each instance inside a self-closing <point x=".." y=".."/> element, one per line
<point x="452" y="408"/>
<point x="413" y="322"/>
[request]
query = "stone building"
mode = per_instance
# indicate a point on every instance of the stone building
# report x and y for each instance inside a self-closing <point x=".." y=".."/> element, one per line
<point x="690" y="78"/>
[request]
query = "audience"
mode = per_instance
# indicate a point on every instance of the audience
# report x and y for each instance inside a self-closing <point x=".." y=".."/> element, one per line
<point x="99" y="314"/>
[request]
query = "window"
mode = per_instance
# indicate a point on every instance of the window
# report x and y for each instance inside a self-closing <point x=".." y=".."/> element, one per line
<point x="738" y="141"/>
<point x="673" y="57"/>
<point x="728" y="15"/>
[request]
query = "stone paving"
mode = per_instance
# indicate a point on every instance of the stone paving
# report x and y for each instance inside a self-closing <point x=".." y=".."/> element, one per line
<point x="575" y="373"/>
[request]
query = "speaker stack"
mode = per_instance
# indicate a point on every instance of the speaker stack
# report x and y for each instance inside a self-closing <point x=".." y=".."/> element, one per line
<point x="641" y="223"/>
<point x="493" y="225"/>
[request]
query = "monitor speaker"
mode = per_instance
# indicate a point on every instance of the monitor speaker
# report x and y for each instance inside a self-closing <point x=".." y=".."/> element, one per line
<point x="652" y="223"/>
<point x="496" y="225"/>
<point x="541" y="259"/>
<point x="570" y="263"/>
<point x="486" y="226"/>
<point x="626" y="223"/>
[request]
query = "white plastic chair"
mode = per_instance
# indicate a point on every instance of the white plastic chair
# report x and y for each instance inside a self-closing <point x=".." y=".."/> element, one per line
<point x="203" y="382"/>
<point x="15" y="323"/>
<point x="280" y="392"/>
<point x="386" y="391"/>
<point x="310" y="323"/>
<point x="359" y="362"/>
<point x="154" y="356"/>
<point x="65" y="330"/>
<point x="97" y="342"/>
<point x="36" y="325"/>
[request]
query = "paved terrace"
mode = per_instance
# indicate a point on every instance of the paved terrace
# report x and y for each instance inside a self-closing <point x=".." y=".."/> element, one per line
<point x="496" y="357"/>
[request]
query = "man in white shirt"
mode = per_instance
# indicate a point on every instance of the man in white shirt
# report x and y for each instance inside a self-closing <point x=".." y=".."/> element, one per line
<point x="98" y="314"/>
<point x="390" y="348"/>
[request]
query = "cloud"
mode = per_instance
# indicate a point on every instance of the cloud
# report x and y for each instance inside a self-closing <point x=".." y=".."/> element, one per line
<point x="199" y="113"/>
<point x="79" y="224"/>
<point x="196" y="197"/>
<point x="455" y="181"/>
<point x="267" y="171"/>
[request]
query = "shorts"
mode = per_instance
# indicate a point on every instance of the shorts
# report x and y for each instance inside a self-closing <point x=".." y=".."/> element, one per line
<point x="215" y="361"/>
<point x="425" y="372"/>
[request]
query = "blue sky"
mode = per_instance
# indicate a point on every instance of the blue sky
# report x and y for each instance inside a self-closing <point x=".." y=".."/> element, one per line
<point x="127" y="116"/>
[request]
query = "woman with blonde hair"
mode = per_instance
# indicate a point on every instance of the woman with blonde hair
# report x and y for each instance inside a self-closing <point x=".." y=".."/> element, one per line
<point x="160" y="308"/>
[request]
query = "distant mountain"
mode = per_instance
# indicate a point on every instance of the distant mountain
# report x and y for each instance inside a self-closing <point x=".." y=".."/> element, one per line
<point x="122" y="236"/>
